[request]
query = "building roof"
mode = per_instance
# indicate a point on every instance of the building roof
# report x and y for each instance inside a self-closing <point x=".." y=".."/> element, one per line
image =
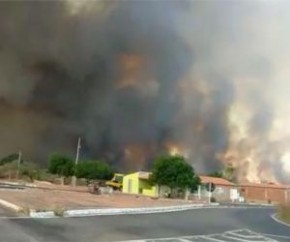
<point x="216" y="180"/>
<point x="144" y="174"/>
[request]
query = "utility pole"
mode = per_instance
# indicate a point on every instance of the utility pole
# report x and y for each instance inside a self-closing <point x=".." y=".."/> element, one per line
<point x="74" y="179"/>
<point x="18" y="164"/>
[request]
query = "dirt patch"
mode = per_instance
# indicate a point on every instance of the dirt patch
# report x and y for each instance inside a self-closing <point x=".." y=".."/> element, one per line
<point x="49" y="196"/>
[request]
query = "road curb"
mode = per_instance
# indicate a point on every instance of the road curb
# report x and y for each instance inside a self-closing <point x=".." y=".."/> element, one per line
<point x="10" y="205"/>
<point x="248" y="205"/>
<point x="48" y="214"/>
<point x="119" y="211"/>
<point x="123" y="211"/>
<point x="276" y="219"/>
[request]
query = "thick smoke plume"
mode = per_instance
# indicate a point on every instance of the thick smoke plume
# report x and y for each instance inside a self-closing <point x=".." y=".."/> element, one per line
<point x="138" y="78"/>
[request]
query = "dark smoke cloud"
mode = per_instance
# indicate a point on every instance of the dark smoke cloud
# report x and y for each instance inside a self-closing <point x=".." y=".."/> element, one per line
<point x="135" y="74"/>
<point x="61" y="70"/>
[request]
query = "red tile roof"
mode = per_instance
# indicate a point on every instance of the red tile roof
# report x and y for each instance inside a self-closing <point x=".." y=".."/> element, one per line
<point x="216" y="181"/>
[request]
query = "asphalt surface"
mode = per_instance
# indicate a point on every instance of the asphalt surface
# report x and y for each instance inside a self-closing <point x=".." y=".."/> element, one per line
<point x="209" y="224"/>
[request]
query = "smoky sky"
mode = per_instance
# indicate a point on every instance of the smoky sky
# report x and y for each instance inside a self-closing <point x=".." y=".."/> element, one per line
<point x="134" y="74"/>
<point x="64" y="69"/>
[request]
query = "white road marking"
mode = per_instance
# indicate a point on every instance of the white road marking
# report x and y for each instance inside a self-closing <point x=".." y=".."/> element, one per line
<point x="243" y="236"/>
<point x="211" y="238"/>
<point x="235" y="238"/>
<point x="184" y="240"/>
<point x="234" y="235"/>
<point x="278" y="236"/>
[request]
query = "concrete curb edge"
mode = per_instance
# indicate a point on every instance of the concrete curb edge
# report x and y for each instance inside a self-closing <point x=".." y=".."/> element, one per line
<point x="119" y="211"/>
<point x="123" y="211"/>
<point x="276" y="219"/>
<point x="10" y="205"/>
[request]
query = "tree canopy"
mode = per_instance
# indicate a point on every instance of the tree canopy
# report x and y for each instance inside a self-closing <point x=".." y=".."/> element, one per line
<point x="216" y="174"/>
<point x="174" y="172"/>
<point x="9" y="158"/>
<point x="61" y="165"/>
<point x="228" y="172"/>
<point x="94" y="170"/>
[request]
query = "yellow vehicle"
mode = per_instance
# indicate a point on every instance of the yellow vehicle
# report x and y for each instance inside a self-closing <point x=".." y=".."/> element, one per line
<point x="117" y="181"/>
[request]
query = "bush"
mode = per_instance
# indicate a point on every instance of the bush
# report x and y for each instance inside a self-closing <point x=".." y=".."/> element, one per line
<point x="8" y="170"/>
<point x="94" y="170"/>
<point x="284" y="213"/>
<point x="24" y="211"/>
<point x="9" y="158"/>
<point x="61" y="165"/>
<point x="29" y="170"/>
<point x="44" y="175"/>
<point x="59" y="211"/>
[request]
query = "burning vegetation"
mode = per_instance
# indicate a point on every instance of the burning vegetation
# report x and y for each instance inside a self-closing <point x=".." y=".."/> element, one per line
<point x="136" y="79"/>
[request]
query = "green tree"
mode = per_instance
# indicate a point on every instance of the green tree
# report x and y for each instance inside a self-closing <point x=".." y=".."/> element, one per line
<point x="229" y="172"/>
<point x="174" y="172"/>
<point x="9" y="158"/>
<point x="216" y="174"/>
<point x="61" y="165"/>
<point x="94" y="170"/>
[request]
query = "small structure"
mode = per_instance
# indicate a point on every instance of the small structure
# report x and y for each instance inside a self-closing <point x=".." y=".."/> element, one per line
<point x="138" y="183"/>
<point x="265" y="193"/>
<point x="223" y="191"/>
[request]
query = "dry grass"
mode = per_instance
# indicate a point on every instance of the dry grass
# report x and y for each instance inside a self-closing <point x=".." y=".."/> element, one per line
<point x="24" y="211"/>
<point x="284" y="213"/>
<point x="59" y="211"/>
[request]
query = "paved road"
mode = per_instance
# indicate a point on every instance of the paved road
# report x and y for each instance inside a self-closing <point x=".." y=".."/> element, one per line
<point x="214" y="224"/>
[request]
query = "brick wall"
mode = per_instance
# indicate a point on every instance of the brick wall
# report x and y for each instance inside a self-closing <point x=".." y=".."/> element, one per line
<point x="265" y="193"/>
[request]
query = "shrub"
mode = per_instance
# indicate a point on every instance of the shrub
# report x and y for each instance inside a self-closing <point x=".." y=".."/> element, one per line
<point x="29" y="170"/>
<point x="61" y="165"/>
<point x="24" y="211"/>
<point x="59" y="211"/>
<point x="94" y="170"/>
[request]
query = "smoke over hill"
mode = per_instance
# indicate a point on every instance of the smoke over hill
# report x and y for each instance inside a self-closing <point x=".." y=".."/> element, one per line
<point x="134" y="79"/>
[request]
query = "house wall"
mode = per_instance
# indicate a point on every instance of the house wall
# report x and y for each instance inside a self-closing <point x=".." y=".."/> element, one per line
<point x="147" y="189"/>
<point x="265" y="194"/>
<point x="131" y="183"/>
<point x="221" y="193"/>
<point x="134" y="185"/>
